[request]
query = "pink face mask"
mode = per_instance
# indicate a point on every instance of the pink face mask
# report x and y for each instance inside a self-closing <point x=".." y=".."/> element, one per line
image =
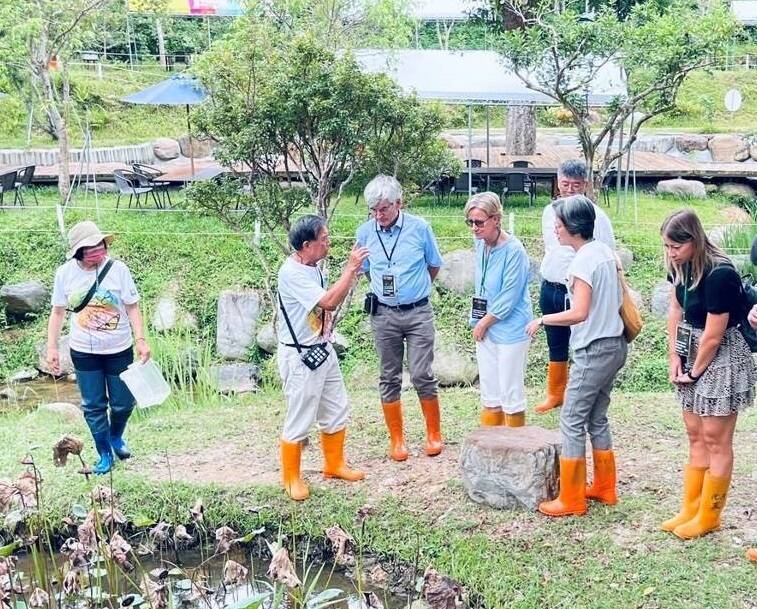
<point x="94" y="255"/>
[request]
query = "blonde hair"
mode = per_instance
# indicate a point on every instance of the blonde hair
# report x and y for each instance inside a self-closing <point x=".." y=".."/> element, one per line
<point x="487" y="202"/>
<point x="684" y="226"/>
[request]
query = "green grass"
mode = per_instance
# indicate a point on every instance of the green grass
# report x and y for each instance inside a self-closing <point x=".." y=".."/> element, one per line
<point x="199" y="255"/>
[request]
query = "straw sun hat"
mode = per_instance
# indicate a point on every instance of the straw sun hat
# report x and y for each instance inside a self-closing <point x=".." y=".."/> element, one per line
<point x="85" y="234"/>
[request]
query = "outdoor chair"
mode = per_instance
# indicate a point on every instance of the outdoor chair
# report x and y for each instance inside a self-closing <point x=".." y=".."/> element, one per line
<point x="147" y="175"/>
<point x="23" y="182"/>
<point x="474" y="163"/>
<point x="7" y="184"/>
<point x="128" y="184"/>
<point x="460" y="186"/>
<point x="609" y="179"/>
<point x="521" y="164"/>
<point x="519" y="183"/>
<point x="442" y="188"/>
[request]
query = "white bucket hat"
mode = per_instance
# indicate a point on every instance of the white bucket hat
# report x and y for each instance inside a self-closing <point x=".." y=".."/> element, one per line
<point x="85" y="234"/>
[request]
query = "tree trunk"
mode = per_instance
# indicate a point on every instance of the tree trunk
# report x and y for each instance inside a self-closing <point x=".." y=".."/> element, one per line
<point x="161" y="43"/>
<point x="521" y="130"/>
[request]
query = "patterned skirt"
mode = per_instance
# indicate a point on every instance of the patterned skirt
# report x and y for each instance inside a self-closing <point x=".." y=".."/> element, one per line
<point x="727" y="386"/>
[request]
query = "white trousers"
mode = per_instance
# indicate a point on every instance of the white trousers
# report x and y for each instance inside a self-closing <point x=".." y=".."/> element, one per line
<point x="502" y="374"/>
<point x="311" y="395"/>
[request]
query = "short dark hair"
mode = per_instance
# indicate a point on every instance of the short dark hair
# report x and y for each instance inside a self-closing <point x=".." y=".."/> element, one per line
<point x="577" y="215"/>
<point x="575" y="169"/>
<point x="307" y="228"/>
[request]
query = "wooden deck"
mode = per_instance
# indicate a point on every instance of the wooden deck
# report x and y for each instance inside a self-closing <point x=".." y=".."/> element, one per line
<point x="547" y="157"/>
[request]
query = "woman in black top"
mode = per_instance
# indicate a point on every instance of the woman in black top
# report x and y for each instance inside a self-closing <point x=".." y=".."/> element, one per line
<point x="710" y="364"/>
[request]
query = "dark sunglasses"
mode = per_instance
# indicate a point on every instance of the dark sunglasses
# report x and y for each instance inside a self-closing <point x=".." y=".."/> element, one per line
<point x="476" y="223"/>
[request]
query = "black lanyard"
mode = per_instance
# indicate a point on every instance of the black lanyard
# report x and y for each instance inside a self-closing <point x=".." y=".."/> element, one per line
<point x="686" y="289"/>
<point x="381" y="241"/>
<point x="486" y="254"/>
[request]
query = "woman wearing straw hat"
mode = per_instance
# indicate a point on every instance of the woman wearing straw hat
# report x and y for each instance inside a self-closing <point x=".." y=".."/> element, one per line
<point x="101" y="295"/>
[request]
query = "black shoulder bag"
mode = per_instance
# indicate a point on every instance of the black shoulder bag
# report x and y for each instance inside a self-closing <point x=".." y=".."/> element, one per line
<point x="88" y="296"/>
<point x="312" y="356"/>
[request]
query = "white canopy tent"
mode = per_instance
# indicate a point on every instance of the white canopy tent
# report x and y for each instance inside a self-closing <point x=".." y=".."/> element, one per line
<point x="445" y="10"/>
<point x="476" y="78"/>
<point x="745" y="12"/>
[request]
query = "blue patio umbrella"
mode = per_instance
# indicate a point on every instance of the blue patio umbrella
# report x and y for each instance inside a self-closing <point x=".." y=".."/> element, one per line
<point x="175" y="91"/>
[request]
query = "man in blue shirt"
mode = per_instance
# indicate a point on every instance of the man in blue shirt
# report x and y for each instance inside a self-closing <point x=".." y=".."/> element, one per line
<point x="403" y="261"/>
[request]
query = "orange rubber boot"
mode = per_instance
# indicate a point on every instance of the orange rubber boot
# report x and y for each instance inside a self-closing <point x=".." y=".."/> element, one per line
<point x="604" y="486"/>
<point x="711" y="504"/>
<point x="557" y="381"/>
<point x="430" y="407"/>
<point x="572" y="498"/>
<point x="491" y="417"/>
<point x="515" y="420"/>
<point x="393" y="418"/>
<point x="693" y="477"/>
<point x="294" y="485"/>
<point x="334" y="466"/>
<point x="751" y="554"/>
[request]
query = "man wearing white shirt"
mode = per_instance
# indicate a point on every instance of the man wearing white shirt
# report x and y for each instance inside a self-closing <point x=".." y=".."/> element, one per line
<point x="553" y="297"/>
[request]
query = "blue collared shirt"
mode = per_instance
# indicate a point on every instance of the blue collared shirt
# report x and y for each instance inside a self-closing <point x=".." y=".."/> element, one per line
<point x="412" y="247"/>
<point x="505" y="288"/>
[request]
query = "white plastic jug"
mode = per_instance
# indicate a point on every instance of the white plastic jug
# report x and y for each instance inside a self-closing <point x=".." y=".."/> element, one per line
<point x="146" y="383"/>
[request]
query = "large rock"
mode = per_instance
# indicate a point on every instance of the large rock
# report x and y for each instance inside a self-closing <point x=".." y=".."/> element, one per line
<point x="23" y="298"/>
<point x="238" y="313"/>
<point x="691" y="143"/>
<point x="65" y="410"/>
<point x="24" y="375"/>
<point x="693" y="189"/>
<point x="341" y="344"/>
<point x="235" y="378"/>
<point x="452" y="365"/>
<point x="165" y="314"/>
<point x="201" y="147"/>
<point x="166" y="149"/>
<point x="509" y="468"/>
<point x="534" y="272"/>
<point x="64" y="355"/>
<point x="727" y="148"/>
<point x="737" y="189"/>
<point x="753" y="151"/>
<point x="458" y="272"/>
<point x="626" y="257"/>
<point x="102" y="187"/>
<point x="266" y="338"/>
<point x="661" y="294"/>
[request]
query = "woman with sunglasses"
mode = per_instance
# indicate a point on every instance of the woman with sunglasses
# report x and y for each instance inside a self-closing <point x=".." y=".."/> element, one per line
<point x="500" y="311"/>
<point x="710" y="364"/>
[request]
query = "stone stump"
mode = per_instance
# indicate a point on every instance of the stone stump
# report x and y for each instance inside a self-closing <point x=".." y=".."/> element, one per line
<point x="507" y="467"/>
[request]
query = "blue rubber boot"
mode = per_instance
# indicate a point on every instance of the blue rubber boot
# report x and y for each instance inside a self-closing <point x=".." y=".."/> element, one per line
<point x="102" y="444"/>
<point x="117" y="428"/>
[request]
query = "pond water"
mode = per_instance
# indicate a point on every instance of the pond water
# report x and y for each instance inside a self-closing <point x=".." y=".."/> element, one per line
<point x="42" y="390"/>
<point x="198" y="583"/>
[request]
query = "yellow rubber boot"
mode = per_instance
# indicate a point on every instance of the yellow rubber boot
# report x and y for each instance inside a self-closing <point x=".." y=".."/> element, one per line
<point x="604" y="486"/>
<point x="393" y="418"/>
<point x="430" y="407"/>
<point x="711" y="504"/>
<point x="515" y="420"/>
<point x="572" y="498"/>
<point x="693" y="477"/>
<point x="491" y="417"/>
<point x="557" y="381"/>
<point x="334" y="466"/>
<point x="294" y="485"/>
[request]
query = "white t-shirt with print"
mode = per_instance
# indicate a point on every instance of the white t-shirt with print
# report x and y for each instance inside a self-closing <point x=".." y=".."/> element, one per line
<point x="102" y="326"/>
<point x="595" y="264"/>
<point x="301" y="287"/>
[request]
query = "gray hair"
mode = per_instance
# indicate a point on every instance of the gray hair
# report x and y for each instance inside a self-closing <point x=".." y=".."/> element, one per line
<point x="382" y="188"/>
<point x="307" y="228"/>
<point x="577" y="215"/>
<point x="575" y="169"/>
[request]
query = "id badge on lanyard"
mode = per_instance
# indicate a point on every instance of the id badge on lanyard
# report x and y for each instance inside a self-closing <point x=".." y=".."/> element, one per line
<point x="389" y="286"/>
<point x="389" y="281"/>
<point x="685" y="343"/>
<point x="478" y="308"/>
